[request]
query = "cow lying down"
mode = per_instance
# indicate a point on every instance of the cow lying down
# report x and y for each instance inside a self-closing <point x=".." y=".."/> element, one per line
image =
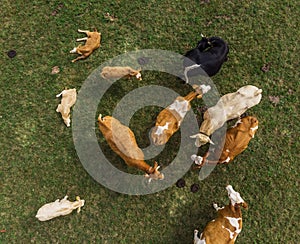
<point x="92" y="39"/>
<point x="117" y="72"/>
<point x="229" y="106"/>
<point x="228" y="224"/>
<point x="122" y="141"/>
<point x="68" y="100"/>
<point x="169" y="120"/>
<point x="59" y="208"/>
<point x="236" y="141"/>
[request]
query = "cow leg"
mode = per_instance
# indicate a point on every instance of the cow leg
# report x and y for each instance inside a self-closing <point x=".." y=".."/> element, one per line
<point x="196" y="238"/>
<point x="74" y="50"/>
<point x="78" y="58"/>
<point x="83" y="31"/>
<point x="81" y="39"/>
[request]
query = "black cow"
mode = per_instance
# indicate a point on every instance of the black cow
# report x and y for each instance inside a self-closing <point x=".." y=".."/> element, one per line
<point x="208" y="56"/>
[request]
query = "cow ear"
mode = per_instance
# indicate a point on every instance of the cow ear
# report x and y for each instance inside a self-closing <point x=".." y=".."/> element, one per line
<point x="245" y="205"/>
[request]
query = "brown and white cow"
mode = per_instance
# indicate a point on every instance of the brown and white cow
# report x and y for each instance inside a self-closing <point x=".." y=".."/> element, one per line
<point x="236" y="141"/>
<point x="229" y="106"/>
<point x="68" y="100"/>
<point x="169" y="120"/>
<point x="122" y="141"/>
<point x="92" y="43"/>
<point x="228" y="224"/>
<point x="117" y="72"/>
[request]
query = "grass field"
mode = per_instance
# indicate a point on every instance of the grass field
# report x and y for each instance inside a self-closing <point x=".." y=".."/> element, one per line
<point x="38" y="161"/>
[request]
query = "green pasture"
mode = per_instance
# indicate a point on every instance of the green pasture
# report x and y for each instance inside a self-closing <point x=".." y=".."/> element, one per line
<point x="38" y="160"/>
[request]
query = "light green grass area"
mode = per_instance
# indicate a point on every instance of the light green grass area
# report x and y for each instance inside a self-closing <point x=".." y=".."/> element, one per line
<point x="38" y="161"/>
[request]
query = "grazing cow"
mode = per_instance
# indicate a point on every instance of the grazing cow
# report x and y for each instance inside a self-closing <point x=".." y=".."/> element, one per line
<point x="230" y="106"/>
<point x="236" y="141"/>
<point x="169" y="120"/>
<point x="92" y="43"/>
<point x="122" y="141"/>
<point x="59" y="208"/>
<point x="228" y="224"/>
<point x="67" y="101"/>
<point x="208" y="56"/>
<point x="117" y="72"/>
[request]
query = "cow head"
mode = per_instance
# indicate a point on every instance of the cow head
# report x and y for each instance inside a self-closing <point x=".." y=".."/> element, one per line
<point x="154" y="174"/>
<point x="65" y="113"/>
<point x="235" y="197"/>
<point x="248" y="123"/>
<point x="201" y="139"/>
<point x="204" y="43"/>
<point x="136" y="73"/>
<point x="250" y="93"/>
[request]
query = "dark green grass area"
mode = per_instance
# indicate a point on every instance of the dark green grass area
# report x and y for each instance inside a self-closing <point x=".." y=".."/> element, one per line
<point x="38" y="161"/>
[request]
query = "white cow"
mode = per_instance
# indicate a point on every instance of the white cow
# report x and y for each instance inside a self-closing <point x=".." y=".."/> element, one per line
<point x="59" y="208"/>
<point x="230" y="106"/>
<point x="67" y="101"/>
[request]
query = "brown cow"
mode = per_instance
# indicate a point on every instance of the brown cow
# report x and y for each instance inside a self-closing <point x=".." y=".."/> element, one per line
<point x="228" y="224"/>
<point x="236" y="141"/>
<point x="92" y="43"/>
<point x="122" y="141"/>
<point x="169" y="120"/>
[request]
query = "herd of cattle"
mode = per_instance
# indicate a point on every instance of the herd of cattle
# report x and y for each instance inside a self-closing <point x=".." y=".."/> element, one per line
<point x="205" y="59"/>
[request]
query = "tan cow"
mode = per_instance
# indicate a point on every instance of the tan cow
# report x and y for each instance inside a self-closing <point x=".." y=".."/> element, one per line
<point x="67" y="101"/>
<point x="117" y="72"/>
<point x="230" y="106"/>
<point x="122" y="141"/>
<point x="228" y="224"/>
<point x="92" y="43"/>
<point x="169" y="120"/>
<point x="236" y="141"/>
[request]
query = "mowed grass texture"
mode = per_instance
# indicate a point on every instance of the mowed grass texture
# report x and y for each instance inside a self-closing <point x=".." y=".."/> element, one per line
<point x="38" y="161"/>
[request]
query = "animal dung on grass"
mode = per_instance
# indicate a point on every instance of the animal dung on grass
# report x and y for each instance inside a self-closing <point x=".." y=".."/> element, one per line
<point x="59" y="208"/>
<point x="169" y="120"/>
<point x="92" y="43"/>
<point x="122" y="141"/>
<point x="68" y="100"/>
<point x="11" y="53"/>
<point x="143" y="60"/>
<point x="228" y="224"/>
<point x="180" y="183"/>
<point x="266" y="67"/>
<point x="236" y="141"/>
<point x="195" y="187"/>
<point x="229" y="106"/>
<point x="118" y="72"/>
